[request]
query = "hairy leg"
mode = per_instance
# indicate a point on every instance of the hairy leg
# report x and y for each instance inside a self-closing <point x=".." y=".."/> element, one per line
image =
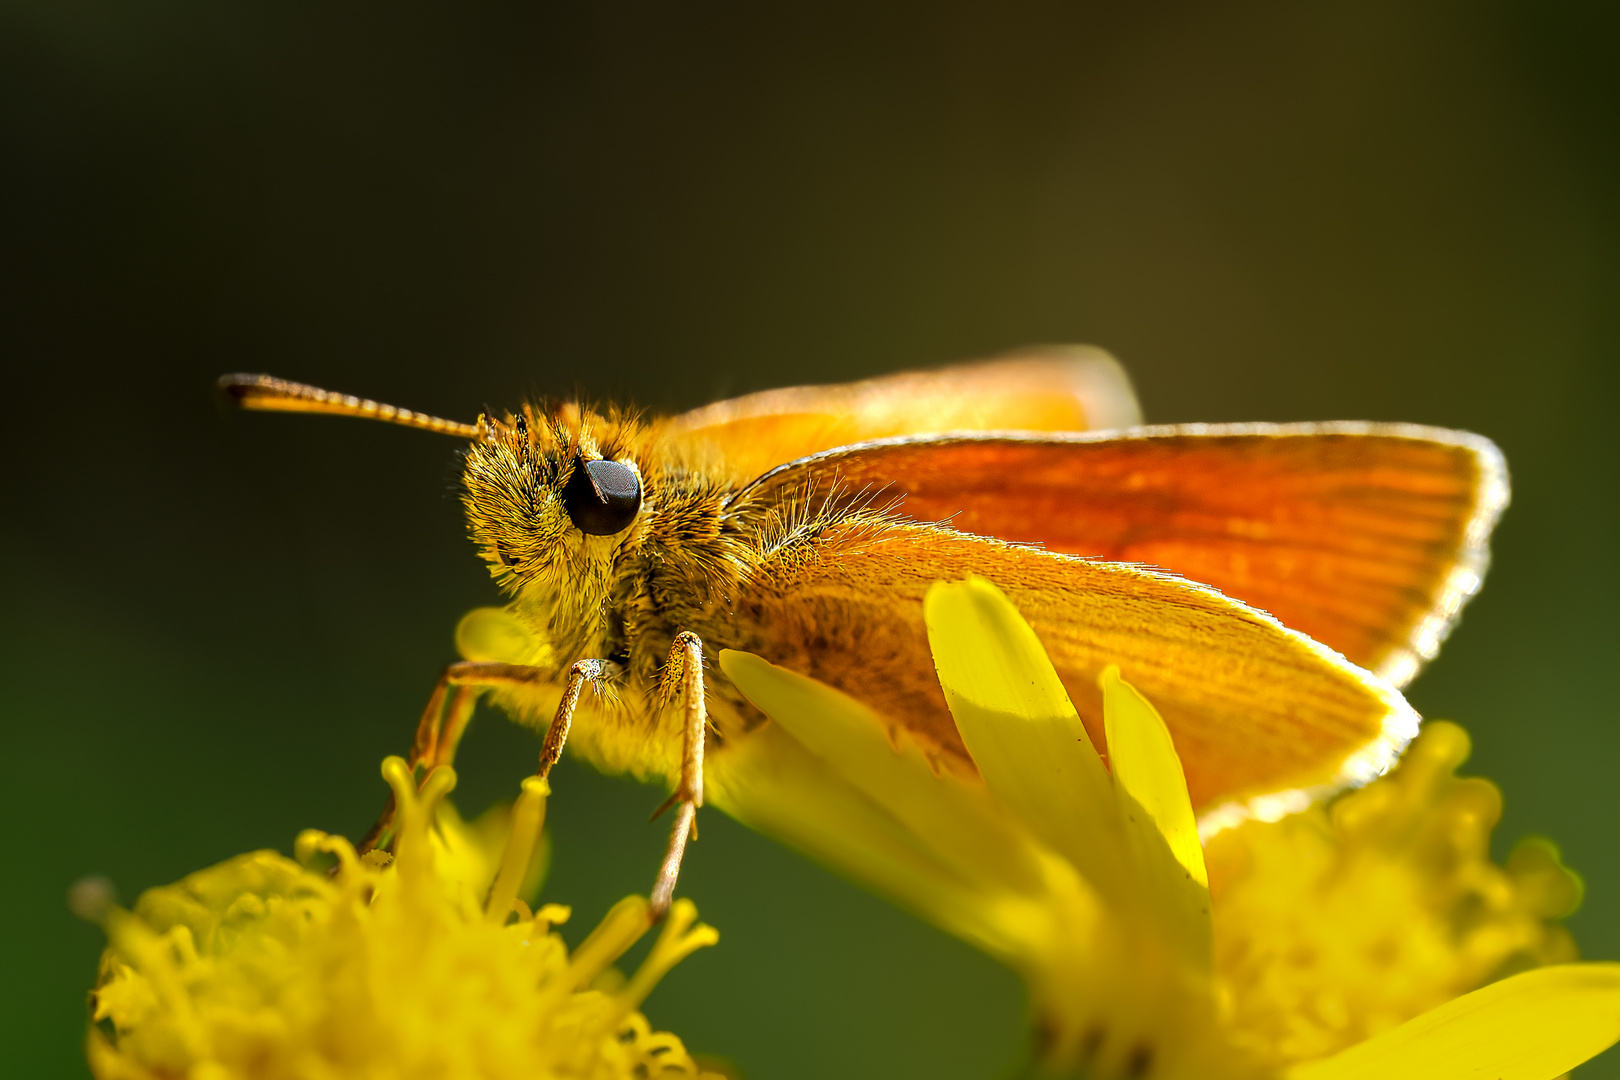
<point x="683" y="679"/>
<point x="449" y="710"/>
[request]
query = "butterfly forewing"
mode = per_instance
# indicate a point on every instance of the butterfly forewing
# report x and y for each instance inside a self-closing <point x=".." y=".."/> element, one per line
<point x="1366" y="537"/>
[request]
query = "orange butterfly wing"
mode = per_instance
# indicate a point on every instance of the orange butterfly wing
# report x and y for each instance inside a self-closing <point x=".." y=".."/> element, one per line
<point x="1068" y="388"/>
<point x="1256" y="710"/>
<point x="1367" y="537"/>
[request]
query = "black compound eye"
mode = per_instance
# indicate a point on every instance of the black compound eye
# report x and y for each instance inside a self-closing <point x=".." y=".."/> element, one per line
<point x="602" y="497"/>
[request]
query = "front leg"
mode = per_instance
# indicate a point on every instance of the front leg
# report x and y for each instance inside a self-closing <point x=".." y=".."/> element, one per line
<point x="683" y="678"/>
<point x="439" y="731"/>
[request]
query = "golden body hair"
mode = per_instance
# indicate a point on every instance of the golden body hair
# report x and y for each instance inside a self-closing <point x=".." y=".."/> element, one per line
<point x="692" y="561"/>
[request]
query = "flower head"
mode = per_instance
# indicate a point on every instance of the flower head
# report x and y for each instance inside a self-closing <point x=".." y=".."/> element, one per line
<point x="1325" y="947"/>
<point x="425" y="964"/>
<point x="1345" y="920"/>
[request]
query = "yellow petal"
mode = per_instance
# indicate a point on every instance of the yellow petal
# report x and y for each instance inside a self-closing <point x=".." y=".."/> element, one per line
<point x="772" y="784"/>
<point x="1146" y="765"/>
<point x="962" y="829"/>
<point x="879" y="815"/>
<point x="1534" y="1026"/>
<point x="1158" y="816"/>
<point x="1017" y="722"/>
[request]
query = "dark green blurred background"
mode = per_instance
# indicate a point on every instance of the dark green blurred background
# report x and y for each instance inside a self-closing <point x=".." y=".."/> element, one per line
<point x="215" y="625"/>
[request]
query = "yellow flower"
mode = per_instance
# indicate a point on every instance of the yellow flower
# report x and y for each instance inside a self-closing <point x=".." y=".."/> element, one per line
<point x="1345" y="920"/>
<point x="1336" y="942"/>
<point x="427" y="964"/>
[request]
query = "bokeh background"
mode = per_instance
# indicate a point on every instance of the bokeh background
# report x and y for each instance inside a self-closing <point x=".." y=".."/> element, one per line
<point x="215" y="625"/>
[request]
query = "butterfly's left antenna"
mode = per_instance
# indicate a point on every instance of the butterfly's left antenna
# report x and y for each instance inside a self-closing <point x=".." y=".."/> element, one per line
<point x="270" y="394"/>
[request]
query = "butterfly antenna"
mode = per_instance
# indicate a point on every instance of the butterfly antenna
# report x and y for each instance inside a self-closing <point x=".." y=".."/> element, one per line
<point x="269" y="394"/>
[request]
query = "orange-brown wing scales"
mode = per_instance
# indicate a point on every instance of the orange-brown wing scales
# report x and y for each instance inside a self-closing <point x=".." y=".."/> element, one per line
<point x="1254" y="708"/>
<point x="1367" y="538"/>
<point x="1071" y="388"/>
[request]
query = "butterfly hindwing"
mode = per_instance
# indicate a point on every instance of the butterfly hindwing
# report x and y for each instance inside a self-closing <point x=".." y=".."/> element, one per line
<point x="1255" y="708"/>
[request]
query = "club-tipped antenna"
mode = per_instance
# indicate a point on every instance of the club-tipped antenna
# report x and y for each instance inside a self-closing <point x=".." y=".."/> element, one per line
<point x="267" y="393"/>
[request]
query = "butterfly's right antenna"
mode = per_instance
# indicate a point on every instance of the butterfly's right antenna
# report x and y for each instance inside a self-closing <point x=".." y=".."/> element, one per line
<point x="270" y="394"/>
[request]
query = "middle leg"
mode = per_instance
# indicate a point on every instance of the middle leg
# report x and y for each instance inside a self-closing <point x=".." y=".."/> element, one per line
<point x="683" y="678"/>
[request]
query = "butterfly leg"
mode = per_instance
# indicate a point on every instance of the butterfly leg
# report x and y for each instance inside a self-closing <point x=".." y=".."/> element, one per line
<point x="582" y="672"/>
<point x="444" y="721"/>
<point x="683" y="677"/>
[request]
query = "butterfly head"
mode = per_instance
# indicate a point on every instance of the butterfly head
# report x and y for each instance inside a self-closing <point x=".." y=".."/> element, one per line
<point x="553" y="494"/>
